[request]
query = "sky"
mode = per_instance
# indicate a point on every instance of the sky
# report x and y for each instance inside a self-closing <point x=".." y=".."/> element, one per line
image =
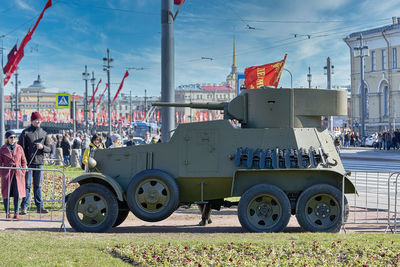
<point x="75" y="33"/>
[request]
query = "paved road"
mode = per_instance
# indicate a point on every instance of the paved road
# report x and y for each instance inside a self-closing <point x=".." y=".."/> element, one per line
<point x="369" y="165"/>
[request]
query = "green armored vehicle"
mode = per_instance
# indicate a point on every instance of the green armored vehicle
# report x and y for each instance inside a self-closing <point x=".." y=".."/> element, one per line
<point x="279" y="162"/>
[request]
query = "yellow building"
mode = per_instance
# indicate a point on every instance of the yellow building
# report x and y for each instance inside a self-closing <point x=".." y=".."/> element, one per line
<point x="381" y="79"/>
<point x="37" y="97"/>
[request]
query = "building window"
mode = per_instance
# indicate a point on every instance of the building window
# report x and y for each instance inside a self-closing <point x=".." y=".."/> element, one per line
<point x="373" y="61"/>
<point x="394" y="58"/>
<point x="383" y="59"/>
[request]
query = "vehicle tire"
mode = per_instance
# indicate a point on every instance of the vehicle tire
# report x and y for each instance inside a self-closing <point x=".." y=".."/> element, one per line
<point x="92" y="208"/>
<point x="319" y="208"/>
<point x="152" y="195"/>
<point x="122" y="215"/>
<point x="264" y="208"/>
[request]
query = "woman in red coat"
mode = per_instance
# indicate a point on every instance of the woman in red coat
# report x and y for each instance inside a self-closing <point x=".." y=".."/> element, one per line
<point x="12" y="181"/>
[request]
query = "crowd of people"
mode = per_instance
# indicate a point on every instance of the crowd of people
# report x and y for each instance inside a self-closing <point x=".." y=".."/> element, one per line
<point x="33" y="147"/>
<point x="386" y="140"/>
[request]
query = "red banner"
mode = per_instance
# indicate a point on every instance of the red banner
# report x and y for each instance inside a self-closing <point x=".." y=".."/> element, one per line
<point x="12" y="65"/>
<point x="268" y="74"/>
<point x="120" y="86"/>
<point x="95" y="91"/>
<point x="102" y="95"/>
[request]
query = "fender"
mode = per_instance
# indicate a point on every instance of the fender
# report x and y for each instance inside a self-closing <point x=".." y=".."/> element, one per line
<point x="93" y="176"/>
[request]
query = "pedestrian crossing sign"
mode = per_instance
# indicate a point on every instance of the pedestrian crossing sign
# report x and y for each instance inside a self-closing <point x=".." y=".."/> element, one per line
<point x="63" y="101"/>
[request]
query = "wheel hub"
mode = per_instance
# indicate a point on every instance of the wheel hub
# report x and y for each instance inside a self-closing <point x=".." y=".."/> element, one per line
<point x="91" y="211"/>
<point x="152" y="196"/>
<point x="322" y="210"/>
<point x="264" y="210"/>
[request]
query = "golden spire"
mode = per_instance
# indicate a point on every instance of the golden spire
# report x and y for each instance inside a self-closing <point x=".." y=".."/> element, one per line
<point x="234" y="54"/>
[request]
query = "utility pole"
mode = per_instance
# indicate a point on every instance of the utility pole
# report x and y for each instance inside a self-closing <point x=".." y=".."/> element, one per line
<point x="362" y="51"/>
<point x="145" y="103"/>
<point x="1" y="109"/>
<point x="167" y="68"/>
<point x="106" y="67"/>
<point x="85" y="77"/>
<point x="130" y="108"/>
<point x="309" y="77"/>
<point x="93" y="80"/>
<point x="329" y="71"/>
<point x="16" y="99"/>
<point x="38" y="101"/>
<point x="73" y="111"/>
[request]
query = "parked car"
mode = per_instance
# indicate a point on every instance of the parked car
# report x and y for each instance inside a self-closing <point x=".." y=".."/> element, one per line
<point x="137" y="140"/>
<point x="370" y="140"/>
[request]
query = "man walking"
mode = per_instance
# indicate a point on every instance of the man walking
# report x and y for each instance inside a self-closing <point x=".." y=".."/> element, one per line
<point x="34" y="142"/>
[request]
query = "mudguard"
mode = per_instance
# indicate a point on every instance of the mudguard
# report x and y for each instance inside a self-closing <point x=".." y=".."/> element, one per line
<point x="105" y="179"/>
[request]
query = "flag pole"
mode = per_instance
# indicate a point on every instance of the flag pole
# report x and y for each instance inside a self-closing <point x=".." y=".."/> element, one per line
<point x="1" y="108"/>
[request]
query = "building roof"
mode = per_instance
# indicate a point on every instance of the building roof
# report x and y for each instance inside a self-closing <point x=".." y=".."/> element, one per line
<point x="376" y="30"/>
<point x="216" y="87"/>
<point x="37" y="84"/>
<point x="188" y="87"/>
<point x="203" y="87"/>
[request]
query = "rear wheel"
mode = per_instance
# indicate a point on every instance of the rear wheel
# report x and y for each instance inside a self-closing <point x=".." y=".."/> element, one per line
<point x="319" y="209"/>
<point x="123" y="212"/>
<point x="92" y="208"/>
<point x="152" y="195"/>
<point x="264" y="208"/>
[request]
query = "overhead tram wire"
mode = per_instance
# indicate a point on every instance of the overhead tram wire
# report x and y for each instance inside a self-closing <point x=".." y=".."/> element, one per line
<point x="198" y="17"/>
<point x="107" y="8"/>
<point x="24" y="23"/>
<point x="295" y="40"/>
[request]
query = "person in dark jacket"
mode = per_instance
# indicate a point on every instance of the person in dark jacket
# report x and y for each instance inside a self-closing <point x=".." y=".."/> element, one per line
<point x="66" y="148"/>
<point x="35" y="143"/>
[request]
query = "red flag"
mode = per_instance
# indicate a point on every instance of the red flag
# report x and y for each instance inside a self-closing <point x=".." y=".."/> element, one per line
<point x="12" y="66"/>
<point x="268" y="74"/>
<point x="95" y="91"/>
<point x="120" y="86"/>
<point x="178" y="2"/>
<point x="48" y="4"/>
<point x="12" y="52"/>
<point x="102" y="95"/>
<point x="11" y="59"/>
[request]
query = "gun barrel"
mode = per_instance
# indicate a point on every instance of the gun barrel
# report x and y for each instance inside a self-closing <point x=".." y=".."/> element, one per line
<point x="212" y="106"/>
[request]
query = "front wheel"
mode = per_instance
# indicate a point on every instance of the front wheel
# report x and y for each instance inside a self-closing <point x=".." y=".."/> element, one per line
<point x="92" y="208"/>
<point x="264" y="208"/>
<point x="152" y="195"/>
<point x="319" y="209"/>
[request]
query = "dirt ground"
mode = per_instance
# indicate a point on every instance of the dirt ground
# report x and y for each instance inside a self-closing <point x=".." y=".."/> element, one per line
<point x="185" y="220"/>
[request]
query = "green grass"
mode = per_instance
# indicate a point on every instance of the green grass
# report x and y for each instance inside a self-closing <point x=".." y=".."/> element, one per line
<point x="24" y="248"/>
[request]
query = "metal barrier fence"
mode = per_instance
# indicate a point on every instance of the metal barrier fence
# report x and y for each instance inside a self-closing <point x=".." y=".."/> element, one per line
<point x="376" y="201"/>
<point x="53" y="186"/>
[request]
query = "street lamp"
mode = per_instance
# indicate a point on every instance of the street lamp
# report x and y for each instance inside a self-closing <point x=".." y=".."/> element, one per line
<point x="362" y="51"/>
<point x="85" y="77"/>
<point x="73" y="111"/>
<point x="17" y="82"/>
<point x="328" y="71"/>
<point x="291" y="78"/>
<point x="106" y="67"/>
<point x="92" y="81"/>
<point x="309" y="77"/>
